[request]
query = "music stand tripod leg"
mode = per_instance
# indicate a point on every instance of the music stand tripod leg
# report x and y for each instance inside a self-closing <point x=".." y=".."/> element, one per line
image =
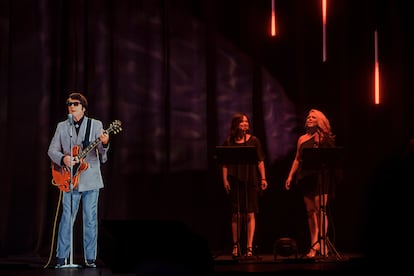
<point x="326" y="245"/>
<point x="331" y="248"/>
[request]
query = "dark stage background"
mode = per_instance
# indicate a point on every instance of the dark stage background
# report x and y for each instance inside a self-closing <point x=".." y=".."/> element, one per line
<point x="174" y="72"/>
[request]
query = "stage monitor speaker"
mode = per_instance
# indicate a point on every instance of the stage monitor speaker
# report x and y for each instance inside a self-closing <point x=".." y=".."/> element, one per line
<point x="128" y="246"/>
<point x="286" y="248"/>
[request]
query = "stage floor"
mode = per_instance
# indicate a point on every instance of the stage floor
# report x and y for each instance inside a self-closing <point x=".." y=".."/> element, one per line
<point x="222" y="265"/>
<point x="270" y="264"/>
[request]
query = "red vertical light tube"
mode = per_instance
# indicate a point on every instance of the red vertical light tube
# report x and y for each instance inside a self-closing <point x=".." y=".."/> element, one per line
<point x="273" y="20"/>
<point x="376" y="68"/>
<point x="324" y="30"/>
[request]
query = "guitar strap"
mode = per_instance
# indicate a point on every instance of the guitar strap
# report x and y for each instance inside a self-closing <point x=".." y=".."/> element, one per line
<point x="87" y="134"/>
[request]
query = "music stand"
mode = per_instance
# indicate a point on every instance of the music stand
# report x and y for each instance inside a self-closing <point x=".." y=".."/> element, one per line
<point x="238" y="155"/>
<point x="323" y="161"/>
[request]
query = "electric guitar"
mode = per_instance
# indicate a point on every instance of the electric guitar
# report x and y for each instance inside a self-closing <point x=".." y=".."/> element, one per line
<point x="61" y="174"/>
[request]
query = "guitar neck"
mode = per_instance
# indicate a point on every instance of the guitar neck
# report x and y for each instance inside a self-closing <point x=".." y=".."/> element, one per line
<point x="115" y="127"/>
<point x="90" y="147"/>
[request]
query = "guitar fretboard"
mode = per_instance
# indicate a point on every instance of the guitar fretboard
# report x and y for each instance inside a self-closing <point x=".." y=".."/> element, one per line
<point x="115" y="127"/>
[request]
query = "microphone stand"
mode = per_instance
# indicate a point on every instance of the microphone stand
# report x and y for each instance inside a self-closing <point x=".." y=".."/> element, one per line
<point x="246" y="203"/>
<point x="239" y="220"/>
<point x="72" y="219"/>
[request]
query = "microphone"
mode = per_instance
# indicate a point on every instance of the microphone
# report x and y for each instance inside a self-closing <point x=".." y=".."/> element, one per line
<point x="312" y="130"/>
<point x="70" y="118"/>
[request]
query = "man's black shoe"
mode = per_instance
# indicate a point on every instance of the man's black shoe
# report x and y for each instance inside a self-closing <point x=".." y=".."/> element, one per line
<point x="90" y="263"/>
<point x="60" y="262"/>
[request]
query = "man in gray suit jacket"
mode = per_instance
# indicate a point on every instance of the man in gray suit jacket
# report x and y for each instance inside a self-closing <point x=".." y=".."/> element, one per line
<point x="86" y="180"/>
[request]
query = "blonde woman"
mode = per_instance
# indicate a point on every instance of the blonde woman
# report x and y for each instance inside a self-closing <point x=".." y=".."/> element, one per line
<point x="314" y="184"/>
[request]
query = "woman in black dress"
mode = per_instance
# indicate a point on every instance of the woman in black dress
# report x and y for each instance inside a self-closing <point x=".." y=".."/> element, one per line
<point x="243" y="182"/>
<point x="315" y="184"/>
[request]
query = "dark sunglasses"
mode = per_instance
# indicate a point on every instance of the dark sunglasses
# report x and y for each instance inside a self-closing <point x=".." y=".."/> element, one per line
<point x="72" y="103"/>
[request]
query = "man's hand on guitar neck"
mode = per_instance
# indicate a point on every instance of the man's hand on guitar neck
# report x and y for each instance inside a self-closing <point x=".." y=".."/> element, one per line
<point x="104" y="137"/>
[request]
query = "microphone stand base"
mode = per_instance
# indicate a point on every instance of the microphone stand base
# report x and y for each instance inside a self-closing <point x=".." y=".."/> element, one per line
<point x="68" y="266"/>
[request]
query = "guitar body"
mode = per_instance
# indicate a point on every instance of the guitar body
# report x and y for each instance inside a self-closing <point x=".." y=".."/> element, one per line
<point x="61" y="174"/>
<point x="61" y="178"/>
<point x="82" y="165"/>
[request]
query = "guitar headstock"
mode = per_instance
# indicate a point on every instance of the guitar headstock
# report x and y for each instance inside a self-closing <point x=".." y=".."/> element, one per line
<point x="115" y="127"/>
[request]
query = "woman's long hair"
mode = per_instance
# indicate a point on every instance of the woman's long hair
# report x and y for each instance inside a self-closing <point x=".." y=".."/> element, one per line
<point x="323" y="124"/>
<point x="234" y="130"/>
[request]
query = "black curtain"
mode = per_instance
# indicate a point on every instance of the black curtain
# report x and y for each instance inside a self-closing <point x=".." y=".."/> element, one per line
<point x="174" y="72"/>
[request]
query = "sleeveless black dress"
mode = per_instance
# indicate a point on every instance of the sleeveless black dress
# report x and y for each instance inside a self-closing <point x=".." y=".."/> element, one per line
<point x="316" y="181"/>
